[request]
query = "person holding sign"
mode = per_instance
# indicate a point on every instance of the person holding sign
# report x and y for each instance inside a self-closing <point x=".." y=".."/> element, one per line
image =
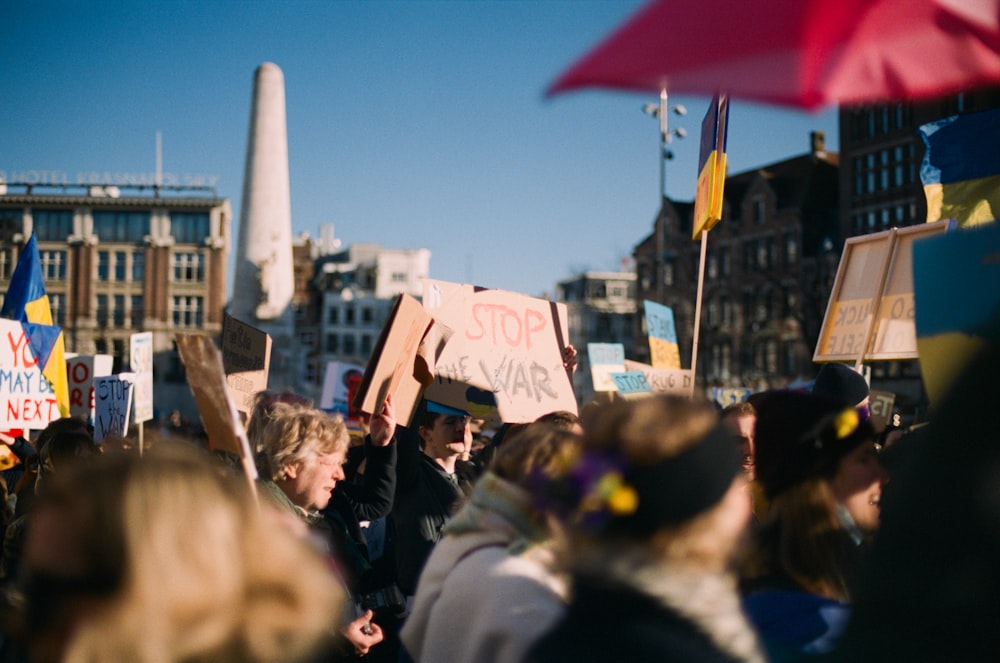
<point x="429" y="484"/>
<point x="302" y="451"/>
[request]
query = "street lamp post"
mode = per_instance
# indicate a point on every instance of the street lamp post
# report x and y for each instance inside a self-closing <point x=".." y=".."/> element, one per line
<point x="661" y="111"/>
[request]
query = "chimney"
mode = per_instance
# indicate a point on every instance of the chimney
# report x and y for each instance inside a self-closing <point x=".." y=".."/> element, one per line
<point x="817" y="143"/>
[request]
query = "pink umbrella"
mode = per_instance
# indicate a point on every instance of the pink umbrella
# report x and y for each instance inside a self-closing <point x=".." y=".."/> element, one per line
<point x="800" y="53"/>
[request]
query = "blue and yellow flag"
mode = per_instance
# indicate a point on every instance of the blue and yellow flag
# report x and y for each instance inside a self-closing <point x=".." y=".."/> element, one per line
<point x="961" y="168"/>
<point x="27" y="301"/>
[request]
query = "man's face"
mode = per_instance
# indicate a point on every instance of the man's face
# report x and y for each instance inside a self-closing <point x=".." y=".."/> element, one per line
<point x="310" y="483"/>
<point x="450" y="436"/>
<point x="743" y="426"/>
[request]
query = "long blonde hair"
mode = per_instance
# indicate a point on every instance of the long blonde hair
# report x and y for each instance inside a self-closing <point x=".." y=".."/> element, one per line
<point x="203" y="574"/>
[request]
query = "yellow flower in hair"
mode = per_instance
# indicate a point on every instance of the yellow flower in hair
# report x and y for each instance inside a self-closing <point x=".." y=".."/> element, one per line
<point x="623" y="501"/>
<point x="846" y="423"/>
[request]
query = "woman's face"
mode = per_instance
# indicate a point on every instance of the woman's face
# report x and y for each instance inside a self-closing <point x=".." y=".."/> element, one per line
<point x="857" y="485"/>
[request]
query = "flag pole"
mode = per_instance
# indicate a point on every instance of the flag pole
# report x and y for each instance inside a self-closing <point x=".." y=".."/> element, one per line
<point x="697" y="310"/>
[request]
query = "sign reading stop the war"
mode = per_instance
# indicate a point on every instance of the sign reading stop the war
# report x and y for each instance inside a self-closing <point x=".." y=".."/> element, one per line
<point x="505" y="354"/>
<point x="80" y="372"/>
<point x="871" y="315"/>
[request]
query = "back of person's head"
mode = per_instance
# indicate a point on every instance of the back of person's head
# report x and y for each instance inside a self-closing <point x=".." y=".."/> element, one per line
<point x="562" y="419"/>
<point x="741" y="409"/>
<point x="660" y="473"/>
<point x="840" y="383"/>
<point x="169" y="559"/>
<point x="294" y="433"/>
<point x="537" y="449"/>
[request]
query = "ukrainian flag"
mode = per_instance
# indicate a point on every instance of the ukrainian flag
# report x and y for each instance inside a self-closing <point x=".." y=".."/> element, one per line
<point x="27" y="301"/>
<point x="956" y="282"/>
<point x="961" y="167"/>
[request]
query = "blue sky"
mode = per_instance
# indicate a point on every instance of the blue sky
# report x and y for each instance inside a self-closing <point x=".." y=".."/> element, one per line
<point x="410" y="124"/>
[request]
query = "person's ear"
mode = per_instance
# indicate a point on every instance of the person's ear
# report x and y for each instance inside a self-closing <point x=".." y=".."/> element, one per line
<point x="425" y="434"/>
<point x="291" y="471"/>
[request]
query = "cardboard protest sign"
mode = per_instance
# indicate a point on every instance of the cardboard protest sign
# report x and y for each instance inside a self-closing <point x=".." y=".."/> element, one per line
<point x="725" y="397"/>
<point x="81" y="371"/>
<point x="664" y="380"/>
<point x="246" y="359"/>
<point x="957" y="289"/>
<point x="871" y="313"/>
<point x="605" y="359"/>
<point x="113" y="405"/>
<point x="27" y="400"/>
<point x="632" y="384"/>
<point x="663" y="349"/>
<point x="203" y="367"/>
<point x="880" y="407"/>
<point x="403" y="360"/>
<point x="506" y="349"/>
<point x="141" y="363"/>
<point x="340" y="383"/>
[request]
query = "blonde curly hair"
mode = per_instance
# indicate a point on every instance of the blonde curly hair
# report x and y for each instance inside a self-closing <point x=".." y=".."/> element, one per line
<point x="295" y="433"/>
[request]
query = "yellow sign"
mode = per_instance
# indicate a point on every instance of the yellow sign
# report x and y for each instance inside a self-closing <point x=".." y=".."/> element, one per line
<point x="711" y="166"/>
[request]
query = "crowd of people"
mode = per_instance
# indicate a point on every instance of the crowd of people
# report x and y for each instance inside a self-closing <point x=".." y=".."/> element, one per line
<point x="654" y="528"/>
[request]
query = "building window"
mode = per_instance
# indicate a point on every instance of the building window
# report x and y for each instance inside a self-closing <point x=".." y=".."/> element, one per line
<point x="187" y="311"/>
<point x="118" y="314"/>
<point x="668" y="272"/>
<point x="399" y="277"/>
<point x="771" y="348"/>
<point x="725" y="264"/>
<point x="332" y="343"/>
<point x="102" y="310"/>
<point x="103" y="265"/>
<point x="53" y="265"/>
<point x="791" y="248"/>
<point x="762" y="256"/>
<point x="137" y="312"/>
<point x="119" y="265"/>
<point x="367" y="316"/>
<point x="6" y="262"/>
<point x="712" y="269"/>
<point x="366" y="344"/>
<point x="57" y="304"/>
<point x="349" y="345"/>
<point x="139" y="266"/>
<point x="189" y="227"/>
<point x="52" y="225"/>
<point x="120" y="353"/>
<point x="348" y="317"/>
<point x="187" y="267"/>
<point x="333" y="316"/>
<point x="120" y="226"/>
<point x="758" y="211"/>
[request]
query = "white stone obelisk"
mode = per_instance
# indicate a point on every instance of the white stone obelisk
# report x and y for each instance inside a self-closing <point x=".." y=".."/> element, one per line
<point x="264" y="282"/>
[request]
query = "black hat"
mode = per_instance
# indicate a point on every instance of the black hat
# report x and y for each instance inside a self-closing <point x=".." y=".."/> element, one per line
<point x="799" y="436"/>
<point x="841" y="383"/>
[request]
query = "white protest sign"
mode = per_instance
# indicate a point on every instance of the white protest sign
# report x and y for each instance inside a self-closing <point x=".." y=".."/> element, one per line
<point x="112" y="404"/>
<point x="26" y="398"/>
<point x="605" y="359"/>
<point x="506" y="349"/>
<point x="80" y="372"/>
<point x="141" y="363"/>
<point x="665" y="380"/>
